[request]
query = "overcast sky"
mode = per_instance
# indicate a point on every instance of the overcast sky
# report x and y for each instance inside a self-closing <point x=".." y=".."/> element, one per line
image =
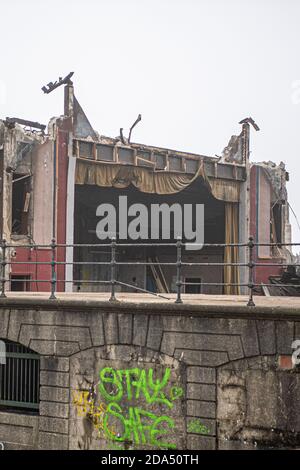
<point x="192" y="68"/>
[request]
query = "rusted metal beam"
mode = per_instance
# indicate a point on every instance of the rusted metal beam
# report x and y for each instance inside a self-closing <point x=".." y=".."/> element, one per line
<point x="61" y="81"/>
<point x="10" y="122"/>
<point x="251" y="121"/>
<point x="139" y="118"/>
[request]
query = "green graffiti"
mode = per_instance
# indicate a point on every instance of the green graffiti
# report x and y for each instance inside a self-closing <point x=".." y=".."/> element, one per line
<point x="176" y="392"/>
<point x="135" y="428"/>
<point x="120" y="417"/>
<point x="108" y="375"/>
<point x="154" y="431"/>
<point x="138" y="382"/>
<point x="195" y="426"/>
<point x="138" y="426"/>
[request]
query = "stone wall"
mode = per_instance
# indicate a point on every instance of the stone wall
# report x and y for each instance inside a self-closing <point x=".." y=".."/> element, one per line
<point x="225" y="385"/>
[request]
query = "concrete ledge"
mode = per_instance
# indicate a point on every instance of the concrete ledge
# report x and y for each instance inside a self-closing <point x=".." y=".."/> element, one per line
<point x="215" y="305"/>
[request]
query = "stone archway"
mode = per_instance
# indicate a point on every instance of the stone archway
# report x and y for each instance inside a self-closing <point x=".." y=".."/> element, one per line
<point x="126" y="397"/>
<point x="257" y="405"/>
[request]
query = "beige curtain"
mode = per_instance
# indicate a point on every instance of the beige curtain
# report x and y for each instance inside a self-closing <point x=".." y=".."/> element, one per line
<point x="224" y="190"/>
<point x="231" y="254"/>
<point x="121" y="176"/>
<point x="149" y="181"/>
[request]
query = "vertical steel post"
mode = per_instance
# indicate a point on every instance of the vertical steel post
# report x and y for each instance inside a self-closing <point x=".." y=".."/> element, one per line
<point x="251" y="266"/>
<point x="178" y="269"/>
<point x="3" y="265"/>
<point x="53" y="273"/>
<point x="112" y="269"/>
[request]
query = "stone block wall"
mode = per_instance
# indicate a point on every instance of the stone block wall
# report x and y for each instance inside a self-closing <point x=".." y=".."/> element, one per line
<point x="216" y="356"/>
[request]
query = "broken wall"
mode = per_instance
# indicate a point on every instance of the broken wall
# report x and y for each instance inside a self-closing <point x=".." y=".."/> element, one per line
<point x="19" y="148"/>
<point x="258" y="405"/>
<point x="43" y="193"/>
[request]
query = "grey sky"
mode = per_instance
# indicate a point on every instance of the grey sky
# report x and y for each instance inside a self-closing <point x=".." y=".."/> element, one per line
<point x="192" y="68"/>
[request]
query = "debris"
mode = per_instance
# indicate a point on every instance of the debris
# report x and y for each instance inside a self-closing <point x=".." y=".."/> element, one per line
<point x="10" y="122"/>
<point x="251" y="121"/>
<point x="139" y="118"/>
<point x="62" y="81"/>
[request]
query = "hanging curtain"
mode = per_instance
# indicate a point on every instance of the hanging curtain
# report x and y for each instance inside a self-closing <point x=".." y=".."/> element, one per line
<point x="149" y="181"/>
<point x="224" y="190"/>
<point x="121" y="176"/>
<point x="231" y="254"/>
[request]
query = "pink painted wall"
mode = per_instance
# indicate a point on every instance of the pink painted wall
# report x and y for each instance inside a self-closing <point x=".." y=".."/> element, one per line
<point x="260" y="206"/>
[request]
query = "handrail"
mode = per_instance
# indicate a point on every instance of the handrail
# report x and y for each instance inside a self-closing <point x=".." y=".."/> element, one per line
<point x="178" y="263"/>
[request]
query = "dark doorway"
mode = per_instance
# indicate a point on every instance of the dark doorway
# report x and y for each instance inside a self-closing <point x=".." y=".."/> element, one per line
<point x="20" y="204"/>
<point x="20" y="283"/>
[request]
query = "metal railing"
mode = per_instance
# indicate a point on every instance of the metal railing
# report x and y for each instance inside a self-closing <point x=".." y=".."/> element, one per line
<point x="113" y="245"/>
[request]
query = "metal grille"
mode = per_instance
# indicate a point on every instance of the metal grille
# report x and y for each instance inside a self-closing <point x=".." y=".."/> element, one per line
<point x="19" y="378"/>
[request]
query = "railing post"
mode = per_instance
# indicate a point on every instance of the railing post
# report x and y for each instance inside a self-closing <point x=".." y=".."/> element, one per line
<point x="53" y="273"/>
<point x="251" y="266"/>
<point x="112" y="269"/>
<point x="178" y="268"/>
<point x="3" y="265"/>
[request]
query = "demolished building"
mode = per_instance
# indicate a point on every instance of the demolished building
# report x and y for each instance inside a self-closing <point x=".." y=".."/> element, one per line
<point x="52" y="183"/>
<point x="227" y="373"/>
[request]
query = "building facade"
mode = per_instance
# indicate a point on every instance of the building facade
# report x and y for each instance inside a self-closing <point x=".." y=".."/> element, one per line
<point x="80" y="372"/>
<point x="52" y="184"/>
